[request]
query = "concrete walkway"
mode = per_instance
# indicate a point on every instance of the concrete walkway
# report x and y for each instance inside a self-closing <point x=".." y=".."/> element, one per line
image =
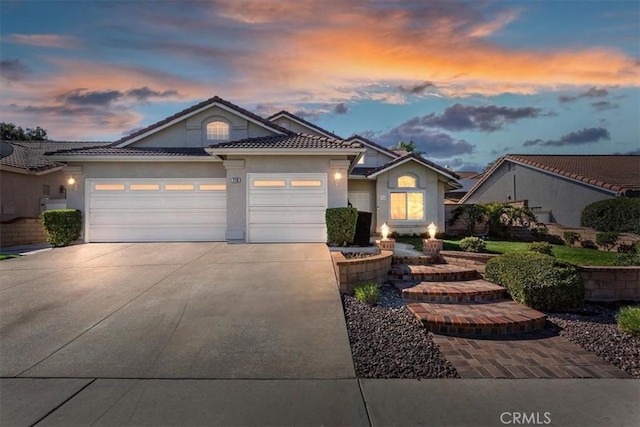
<point x="216" y="334"/>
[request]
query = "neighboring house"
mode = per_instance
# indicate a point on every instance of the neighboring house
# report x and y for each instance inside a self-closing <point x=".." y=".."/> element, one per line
<point x="558" y="187"/>
<point x="467" y="181"/>
<point x="217" y="172"/>
<point x="29" y="181"/>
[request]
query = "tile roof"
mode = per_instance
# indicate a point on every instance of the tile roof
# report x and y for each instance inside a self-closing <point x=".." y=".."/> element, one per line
<point x="196" y="107"/>
<point x="287" y="142"/>
<point x="29" y="155"/>
<point x="301" y="120"/>
<point x="373" y="144"/>
<point x="617" y="173"/>
<point x="132" y="151"/>
<point x="363" y="171"/>
<point x="420" y="159"/>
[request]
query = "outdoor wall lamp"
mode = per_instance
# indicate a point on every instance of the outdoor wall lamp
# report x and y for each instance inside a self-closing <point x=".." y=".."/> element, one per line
<point x="337" y="176"/>
<point x="433" y="229"/>
<point x="384" y="228"/>
<point x="72" y="183"/>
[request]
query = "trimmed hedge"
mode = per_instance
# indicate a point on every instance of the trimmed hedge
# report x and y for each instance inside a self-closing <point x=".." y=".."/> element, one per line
<point x="473" y="244"/>
<point x="537" y="281"/>
<point x="341" y="225"/>
<point x="541" y="248"/>
<point x="621" y="214"/>
<point x="62" y="226"/>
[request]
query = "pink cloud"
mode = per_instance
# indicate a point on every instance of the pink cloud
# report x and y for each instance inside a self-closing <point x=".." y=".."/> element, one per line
<point x="45" y="40"/>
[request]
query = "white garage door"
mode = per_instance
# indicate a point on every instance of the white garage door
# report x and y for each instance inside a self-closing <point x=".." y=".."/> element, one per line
<point x="156" y="210"/>
<point x="287" y="207"/>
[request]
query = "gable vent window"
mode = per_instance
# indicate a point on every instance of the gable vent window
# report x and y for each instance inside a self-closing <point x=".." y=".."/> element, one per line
<point x="46" y="190"/>
<point x="217" y="131"/>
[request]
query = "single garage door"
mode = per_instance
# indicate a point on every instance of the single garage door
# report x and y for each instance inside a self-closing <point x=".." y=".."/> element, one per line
<point x="156" y="210"/>
<point x="287" y="207"/>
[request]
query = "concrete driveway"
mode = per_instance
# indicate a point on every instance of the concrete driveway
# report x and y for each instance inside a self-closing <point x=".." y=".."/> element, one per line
<point x="173" y="310"/>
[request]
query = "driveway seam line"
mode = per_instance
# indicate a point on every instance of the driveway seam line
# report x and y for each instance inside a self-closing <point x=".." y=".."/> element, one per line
<point x="64" y="402"/>
<point x="100" y="321"/>
<point x="364" y="401"/>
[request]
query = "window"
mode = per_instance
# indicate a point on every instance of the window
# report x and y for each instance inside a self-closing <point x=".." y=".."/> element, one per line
<point x="109" y="187"/>
<point x="361" y="160"/>
<point x="407" y="181"/>
<point x="306" y="183"/>
<point x="178" y="187"/>
<point x="212" y="187"/>
<point x="144" y="187"/>
<point x="407" y="206"/>
<point x="268" y="183"/>
<point x="217" y="131"/>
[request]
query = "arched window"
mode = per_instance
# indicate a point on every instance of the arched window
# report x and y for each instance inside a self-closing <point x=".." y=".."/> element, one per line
<point x="407" y="181"/>
<point x="217" y="131"/>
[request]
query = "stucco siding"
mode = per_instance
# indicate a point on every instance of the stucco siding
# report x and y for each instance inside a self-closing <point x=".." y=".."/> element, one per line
<point x="369" y="187"/>
<point x="374" y="158"/>
<point x="296" y="127"/>
<point x="20" y="194"/>
<point x="191" y="132"/>
<point x="562" y="198"/>
<point x="427" y="181"/>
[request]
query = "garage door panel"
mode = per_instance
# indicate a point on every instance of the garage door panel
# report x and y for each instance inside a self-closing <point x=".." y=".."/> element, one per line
<point x="292" y="233"/>
<point x="158" y="219"/>
<point x="285" y="199"/>
<point x="292" y="212"/>
<point x="164" y="215"/>
<point x="157" y="234"/>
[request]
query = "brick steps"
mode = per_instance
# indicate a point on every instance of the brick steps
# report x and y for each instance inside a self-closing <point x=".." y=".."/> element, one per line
<point x="432" y="273"/>
<point x="477" y="290"/>
<point x="493" y="318"/>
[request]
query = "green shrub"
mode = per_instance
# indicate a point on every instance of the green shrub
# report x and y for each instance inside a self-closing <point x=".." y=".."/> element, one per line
<point x="470" y="215"/>
<point x="341" y="225"/>
<point x="621" y="214"/>
<point x="607" y="240"/>
<point x="541" y="247"/>
<point x="62" y="226"/>
<point x="628" y="319"/>
<point x="570" y="237"/>
<point x="628" y="255"/>
<point x="537" y="280"/>
<point x="368" y="292"/>
<point x="539" y="232"/>
<point x="472" y="244"/>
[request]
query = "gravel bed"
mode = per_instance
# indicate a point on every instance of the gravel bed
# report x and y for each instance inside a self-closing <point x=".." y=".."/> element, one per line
<point x="388" y="342"/>
<point x="595" y="329"/>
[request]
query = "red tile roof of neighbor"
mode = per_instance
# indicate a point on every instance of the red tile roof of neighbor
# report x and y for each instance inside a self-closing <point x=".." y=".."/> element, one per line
<point x="617" y="173"/>
<point x="29" y="155"/>
<point x="133" y="151"/>
<point x="196" y="107"/>
<point x="373" y="144"/>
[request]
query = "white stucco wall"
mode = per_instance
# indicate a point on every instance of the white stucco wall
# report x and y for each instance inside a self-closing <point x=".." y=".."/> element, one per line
<point x="563" y="198"/>
<point x="366" y="186"/>
<point x="433" y="198"/>
<point x="20" y="194"/>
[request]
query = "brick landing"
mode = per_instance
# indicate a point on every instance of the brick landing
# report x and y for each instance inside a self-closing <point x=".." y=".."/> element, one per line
<point x="432" y="273"/>
<point x="540" y="354"/>
<point x="453" y="292"/>
<point x="489" y="318"/>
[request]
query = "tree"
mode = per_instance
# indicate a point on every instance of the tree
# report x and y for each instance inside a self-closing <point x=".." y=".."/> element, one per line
<point x="408" y="146"/>
<point x="470" y="215"/>
<point x="11" y="132"/>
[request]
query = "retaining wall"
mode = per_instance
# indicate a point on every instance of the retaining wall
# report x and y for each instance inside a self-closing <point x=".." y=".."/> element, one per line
<point x="21" y="231"/>
<point x="352" y="272"/>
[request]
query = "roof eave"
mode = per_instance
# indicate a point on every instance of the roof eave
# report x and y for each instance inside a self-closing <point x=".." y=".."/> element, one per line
<point x="193" y="113"/>
<point x="285" y="151"/>
<point x="112" y="158"/>
<point x="383" y="170"/>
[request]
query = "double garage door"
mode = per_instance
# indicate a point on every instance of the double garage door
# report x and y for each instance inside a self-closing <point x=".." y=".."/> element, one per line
<point x="280" y="208"/>
<point x="155" y="210"/>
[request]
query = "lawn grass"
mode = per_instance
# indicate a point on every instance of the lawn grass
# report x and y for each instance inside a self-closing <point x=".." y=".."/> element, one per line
<point x="4" y="256"/>
<point x="569" y="254"/>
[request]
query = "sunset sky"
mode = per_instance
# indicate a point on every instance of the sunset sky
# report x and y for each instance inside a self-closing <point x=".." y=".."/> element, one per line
<point x="466" y="81"/>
